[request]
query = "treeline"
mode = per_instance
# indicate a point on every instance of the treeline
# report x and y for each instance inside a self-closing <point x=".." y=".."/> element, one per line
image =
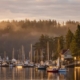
<point x="41" y="26"/>
<point x="57" y="44"/>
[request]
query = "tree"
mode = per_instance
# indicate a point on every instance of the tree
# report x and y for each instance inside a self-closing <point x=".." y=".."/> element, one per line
<point x="75" y="44"/>
<point x="42" y="45"/>
<point x="69" y="38"/>
<point x="60" y="44"/>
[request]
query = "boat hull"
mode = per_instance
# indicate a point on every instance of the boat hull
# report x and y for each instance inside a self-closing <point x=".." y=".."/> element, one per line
<point x="4" y="65"/>
<point x="62" y="70"/>
<point x="40" y="68"/>
<point x="55" y="71"/>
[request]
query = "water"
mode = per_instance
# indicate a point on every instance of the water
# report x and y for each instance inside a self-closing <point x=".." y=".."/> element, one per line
<point x="34" y="74"/>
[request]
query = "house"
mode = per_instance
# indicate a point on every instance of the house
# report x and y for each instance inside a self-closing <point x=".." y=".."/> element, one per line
<point x="66" y="57"/>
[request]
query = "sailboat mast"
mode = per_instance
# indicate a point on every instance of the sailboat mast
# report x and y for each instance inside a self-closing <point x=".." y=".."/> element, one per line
<point x="58" y="63"/>
<point x="48" y="51"/>
<point x="13" y="54"/>
<point x="31" y="52"/>
<point x="23" y="54"/>
<point x="34" y="56"/>
<point x="41" y="55"/>
<point x="4" y="55"/>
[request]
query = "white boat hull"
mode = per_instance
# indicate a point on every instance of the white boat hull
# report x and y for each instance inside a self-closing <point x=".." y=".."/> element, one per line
<point x="62" y="70"/>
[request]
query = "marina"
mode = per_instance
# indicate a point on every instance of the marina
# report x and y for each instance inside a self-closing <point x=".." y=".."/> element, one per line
<point x="42" y="62"/>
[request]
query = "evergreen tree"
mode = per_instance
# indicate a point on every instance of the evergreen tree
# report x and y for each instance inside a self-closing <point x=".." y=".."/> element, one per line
<point x="75" y="44"/>
<point x="61" y="42"/>
<point x="69" y="38"/>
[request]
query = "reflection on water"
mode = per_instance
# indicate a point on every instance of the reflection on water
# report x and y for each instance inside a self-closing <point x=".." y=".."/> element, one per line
<point x="77" y="73"/>
<point x="34" y="74"/>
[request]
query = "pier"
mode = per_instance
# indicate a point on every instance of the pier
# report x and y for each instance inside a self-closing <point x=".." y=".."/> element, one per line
<point x="74" y="64"/>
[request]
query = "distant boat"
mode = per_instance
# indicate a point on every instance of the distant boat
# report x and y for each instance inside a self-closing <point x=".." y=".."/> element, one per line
<point x="4" y="64"/>
<point x="56" y="68"/>
<point x="41" y="67"/>
<point x="31" y="64"/>
<point x="19" y="64"/>
<point x="62" y="70"/>
<point x="19" y="61"/>
<point x="28" y="64"/>
<point x="5" y="61"/>
<point x="52" y="69"/>
<point x="63" y="73"/>
<point x="13" y="61"/>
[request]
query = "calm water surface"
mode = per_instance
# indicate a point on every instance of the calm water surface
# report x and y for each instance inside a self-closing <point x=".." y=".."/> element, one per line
<point x="34" y="74"/>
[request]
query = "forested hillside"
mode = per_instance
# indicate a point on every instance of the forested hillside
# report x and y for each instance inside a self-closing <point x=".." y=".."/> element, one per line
<point x="14" y="34"/>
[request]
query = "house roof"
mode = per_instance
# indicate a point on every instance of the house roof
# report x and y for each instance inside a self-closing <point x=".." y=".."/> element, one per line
<point x="63" y="51"/>
<point x="67" y="54"/>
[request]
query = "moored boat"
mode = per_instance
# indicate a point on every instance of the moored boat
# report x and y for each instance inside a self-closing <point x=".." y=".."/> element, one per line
<point x="62" y="70"/>
<point x="4" y="64"/>
<point x="41" y="67"/>
<point x="52" y="69"/>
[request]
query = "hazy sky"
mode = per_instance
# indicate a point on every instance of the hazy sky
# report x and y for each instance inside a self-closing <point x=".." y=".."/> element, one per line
<point x="60" y="10"/>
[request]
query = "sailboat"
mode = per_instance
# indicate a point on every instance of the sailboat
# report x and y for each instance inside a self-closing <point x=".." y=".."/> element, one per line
<point x="13" y="61"/>
<point x="41" y="66"/>
<point x="4" y="62"/>
<point x="28" y="63"/>
<point x="62" y="69"/>
<point x="47" y="62"/>
<point x="53" y="68"/>
<point x="25" y="62"/>
<point x="31" y="64"/>
<point x="19" y="62"/>
<point x="50" y="68"/>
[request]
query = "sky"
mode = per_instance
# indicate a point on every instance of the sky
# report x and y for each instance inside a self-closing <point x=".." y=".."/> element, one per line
<point x="60" y="10"/>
